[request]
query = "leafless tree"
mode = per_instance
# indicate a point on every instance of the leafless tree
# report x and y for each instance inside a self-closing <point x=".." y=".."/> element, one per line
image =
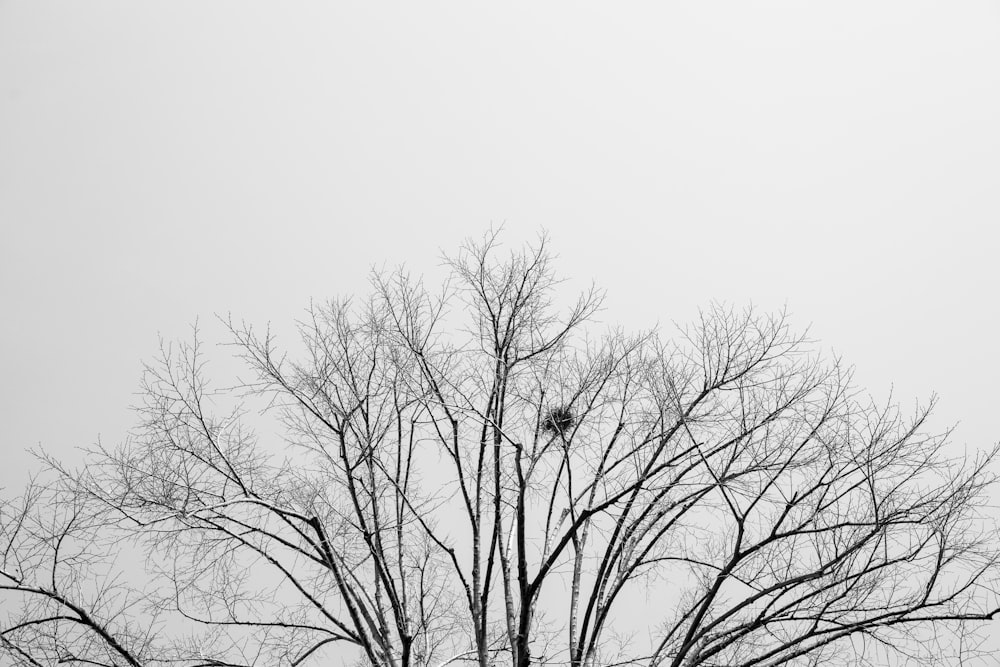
<point x="468" y="476"/>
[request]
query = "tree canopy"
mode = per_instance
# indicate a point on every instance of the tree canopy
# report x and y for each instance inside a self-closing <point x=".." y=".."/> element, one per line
<point x="473" y="474"/>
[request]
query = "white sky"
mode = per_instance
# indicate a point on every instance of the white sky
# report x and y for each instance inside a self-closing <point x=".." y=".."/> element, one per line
<point x="165" y="161"/>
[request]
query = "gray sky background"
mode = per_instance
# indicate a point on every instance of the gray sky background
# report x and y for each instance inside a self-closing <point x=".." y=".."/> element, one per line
<point x="166" y="161"/>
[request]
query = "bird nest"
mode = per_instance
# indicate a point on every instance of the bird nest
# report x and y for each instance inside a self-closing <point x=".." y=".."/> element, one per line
<point x="559" y="420"/>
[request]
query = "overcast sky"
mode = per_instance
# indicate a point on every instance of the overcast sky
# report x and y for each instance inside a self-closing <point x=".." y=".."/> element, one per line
<point x="165" y="161"/>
